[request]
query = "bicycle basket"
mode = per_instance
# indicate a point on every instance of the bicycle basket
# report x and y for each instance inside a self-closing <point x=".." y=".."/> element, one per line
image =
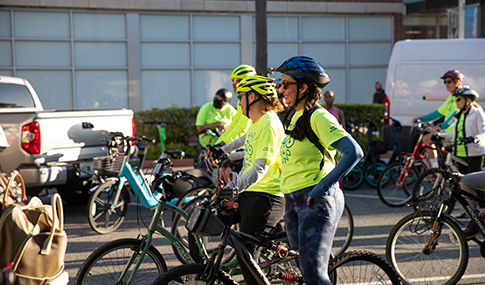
<point x="203" y="222"/>
<point x="380" y="147"/>
<point x="109" y="166"/>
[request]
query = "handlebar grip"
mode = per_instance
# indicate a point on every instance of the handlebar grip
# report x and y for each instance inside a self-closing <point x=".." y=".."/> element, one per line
<point x="231" y="204"/>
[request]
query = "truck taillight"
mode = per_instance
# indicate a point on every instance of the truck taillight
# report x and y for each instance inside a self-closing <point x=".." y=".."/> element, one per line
<point x="133" y="130"/>
<point x="31" y="138"/>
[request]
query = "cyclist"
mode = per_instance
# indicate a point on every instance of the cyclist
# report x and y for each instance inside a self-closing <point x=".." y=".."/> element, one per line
<point x="214" y="117"/>
<point x="473" y="183"/>
<point x="453" y="81"/>
<point x="314" y="202"/>
<point x="469" y="137"/>
<point x="240" y="123"/>
<point x="260" y="199"/>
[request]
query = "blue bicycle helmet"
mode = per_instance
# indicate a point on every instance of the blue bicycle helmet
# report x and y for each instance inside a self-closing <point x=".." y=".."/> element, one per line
<point x="304" y="67"/>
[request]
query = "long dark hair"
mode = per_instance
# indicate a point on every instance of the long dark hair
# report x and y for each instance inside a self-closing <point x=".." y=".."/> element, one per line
<point x="313" y="94"/>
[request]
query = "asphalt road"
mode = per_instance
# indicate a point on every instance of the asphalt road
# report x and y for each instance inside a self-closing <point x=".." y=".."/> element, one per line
<point x="372" y="219"/>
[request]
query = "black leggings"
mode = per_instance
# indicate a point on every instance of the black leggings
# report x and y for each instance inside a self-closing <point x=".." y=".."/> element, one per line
<point x="257" y="211"/>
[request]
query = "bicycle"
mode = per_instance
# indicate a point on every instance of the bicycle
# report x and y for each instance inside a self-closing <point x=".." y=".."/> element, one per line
<point x="432" y="242"/>
<point x="395" y="184"/>
<point x="108" y="204"/>
<point x="370" y="167"/>
<point x="219" y="217"/>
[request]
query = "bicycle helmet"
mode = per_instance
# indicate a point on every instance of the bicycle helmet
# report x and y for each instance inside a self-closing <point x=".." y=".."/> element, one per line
<point x="454" y="73"/>
<point x="225" y="94"/>
<point x="263" y="86"/>
<point x="242" y="71"/>
<point x="304" y="67"/>
<point x="467" y="92"/>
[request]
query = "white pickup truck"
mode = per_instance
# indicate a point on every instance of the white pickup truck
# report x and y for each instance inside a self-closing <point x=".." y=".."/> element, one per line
<point x="54" y="148"/>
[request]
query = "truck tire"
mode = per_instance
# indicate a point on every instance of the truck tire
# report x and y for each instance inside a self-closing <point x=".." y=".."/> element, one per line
<point x="75" y="194"/>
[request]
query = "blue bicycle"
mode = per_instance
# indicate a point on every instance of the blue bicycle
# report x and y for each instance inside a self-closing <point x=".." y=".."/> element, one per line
<point x="108" y="204"/>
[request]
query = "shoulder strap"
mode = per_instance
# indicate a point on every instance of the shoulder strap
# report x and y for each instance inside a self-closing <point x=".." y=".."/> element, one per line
<point x="312" y="137"/>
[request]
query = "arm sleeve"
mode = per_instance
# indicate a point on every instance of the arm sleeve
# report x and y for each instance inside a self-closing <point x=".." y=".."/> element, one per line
<point x="238" y="127"/>
<point x="235" y="155"/>
<point x="235" y="145"/>
<point x="431" y="116"/>
<point x="253" y="175"/>
<point x="351" y="154"/>
<point x="448" y="123"/>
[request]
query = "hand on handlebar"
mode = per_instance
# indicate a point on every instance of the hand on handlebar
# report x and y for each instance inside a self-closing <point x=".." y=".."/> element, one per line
<point x="469" y="140"/>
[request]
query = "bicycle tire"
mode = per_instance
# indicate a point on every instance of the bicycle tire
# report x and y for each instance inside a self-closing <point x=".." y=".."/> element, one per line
<point x="191" y="272"/>
<point x="361" y="267"/>
<point x="344" y="233"/>
<point x="371" y="174"/>
<point x="106" y="263"/>
<point x="425" y="188"/>
<point x="180" y="232"/>
<point x="354" y="179"/>
<point x="103" y="216"/>
<point x="405" y="246"/>
<point x="390" y="188"/>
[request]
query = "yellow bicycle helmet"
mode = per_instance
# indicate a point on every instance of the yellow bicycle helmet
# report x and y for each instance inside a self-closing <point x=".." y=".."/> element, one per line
<point x="262" y="86"/>
<point x="242" y="71"/>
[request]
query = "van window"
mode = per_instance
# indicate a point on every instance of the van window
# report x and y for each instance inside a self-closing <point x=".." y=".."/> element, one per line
<point x="15" y="96"/>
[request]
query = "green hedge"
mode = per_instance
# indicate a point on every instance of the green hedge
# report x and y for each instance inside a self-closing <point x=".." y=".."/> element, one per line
<point x="182" y="134"/>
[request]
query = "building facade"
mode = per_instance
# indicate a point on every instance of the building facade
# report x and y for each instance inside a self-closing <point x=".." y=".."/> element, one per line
<point x="106" y="54"/>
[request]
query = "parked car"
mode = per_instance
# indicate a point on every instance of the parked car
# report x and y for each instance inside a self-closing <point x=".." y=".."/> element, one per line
<point x="54" y="148"/>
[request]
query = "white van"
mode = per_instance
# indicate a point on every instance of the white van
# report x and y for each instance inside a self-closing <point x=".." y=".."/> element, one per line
<point x="413" y="82"/>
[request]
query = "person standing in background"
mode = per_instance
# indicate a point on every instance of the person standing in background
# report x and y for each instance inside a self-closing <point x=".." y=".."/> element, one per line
<point x="380" y="95"/>
<point x="336" y="112"/>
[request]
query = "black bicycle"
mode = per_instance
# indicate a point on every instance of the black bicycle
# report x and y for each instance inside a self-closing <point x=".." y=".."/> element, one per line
<point x="429" y="245"/>
<point x="279" y="263"/>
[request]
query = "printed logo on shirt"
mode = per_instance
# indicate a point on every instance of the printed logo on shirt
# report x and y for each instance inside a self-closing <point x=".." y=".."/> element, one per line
<point x="285" y="151"/>
<point x="333" y="128"/>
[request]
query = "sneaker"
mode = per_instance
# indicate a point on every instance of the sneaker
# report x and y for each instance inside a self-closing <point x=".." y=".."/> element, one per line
<point x="471" y="230"/>
<point x="462" y="217"/>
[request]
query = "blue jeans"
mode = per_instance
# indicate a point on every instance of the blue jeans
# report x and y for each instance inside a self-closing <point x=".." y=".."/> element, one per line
<point x="311" y="230"/>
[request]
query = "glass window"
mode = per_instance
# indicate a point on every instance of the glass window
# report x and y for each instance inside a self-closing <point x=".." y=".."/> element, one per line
<point x="326" y="54"/>
<point x="278" y="53"/>
<point x="323" y="29"/>
<point x="281" y="28"/>
<point x="15" y="96"/>
<point x="42" y="54"/>
<point x="362" y="83"/>
<point x="217" y="54"/>
<point x="99" y="26"/>
<point x="6" y="57"/>
<point x="5" y="24"/>
<point x="41" y="25"/>
<point x="165" y="27"/>
<point x="6" y="72"/>
<point x="207" y="83"/>
<point x="163" y="88"/>
<point x="370" y="28"/>
<point x="165" y="55"/>
<point x="216" y="28"/>
<point x="89" y="54"/>
<point x="54" y="88"/>
<point x="101" y="90"/>
<point x="337" y="84"/>
<point x="369" y="53"/>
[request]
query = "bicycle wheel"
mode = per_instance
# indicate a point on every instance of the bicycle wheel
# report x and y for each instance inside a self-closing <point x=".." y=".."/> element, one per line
<point x="354" y="179"/>
<point x="429" y="190"/>
<point x="444" y="263"/>
<point x="103" y="216"/>
<point x="345" y="232"/>
<point x="394" y="187"/>
<point x="371" y="173"/>
<point x="361" y="267"/>
<point x="106" y="263"/>
<point x="191" y="274"/>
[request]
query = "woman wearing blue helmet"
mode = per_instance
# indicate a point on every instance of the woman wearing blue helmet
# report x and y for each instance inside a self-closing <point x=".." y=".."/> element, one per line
<point x="309" y="174"/>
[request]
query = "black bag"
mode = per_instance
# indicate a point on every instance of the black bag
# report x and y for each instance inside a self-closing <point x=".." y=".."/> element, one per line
<point x="203" y="222"/>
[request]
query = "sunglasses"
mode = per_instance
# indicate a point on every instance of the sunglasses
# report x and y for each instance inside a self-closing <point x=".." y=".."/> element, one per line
<point x="243" y="94"/>
<point x="448" y="81"/>
<point x="458" y="99"/>
<point x="285" y="84"/>
<point x="235" y="80"/>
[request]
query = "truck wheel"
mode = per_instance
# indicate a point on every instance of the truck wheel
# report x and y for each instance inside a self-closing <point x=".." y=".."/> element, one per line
<point x="75" y="194"/>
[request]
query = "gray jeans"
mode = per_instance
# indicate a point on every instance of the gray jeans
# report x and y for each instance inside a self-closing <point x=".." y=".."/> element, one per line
<point x="471" y="183"/>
